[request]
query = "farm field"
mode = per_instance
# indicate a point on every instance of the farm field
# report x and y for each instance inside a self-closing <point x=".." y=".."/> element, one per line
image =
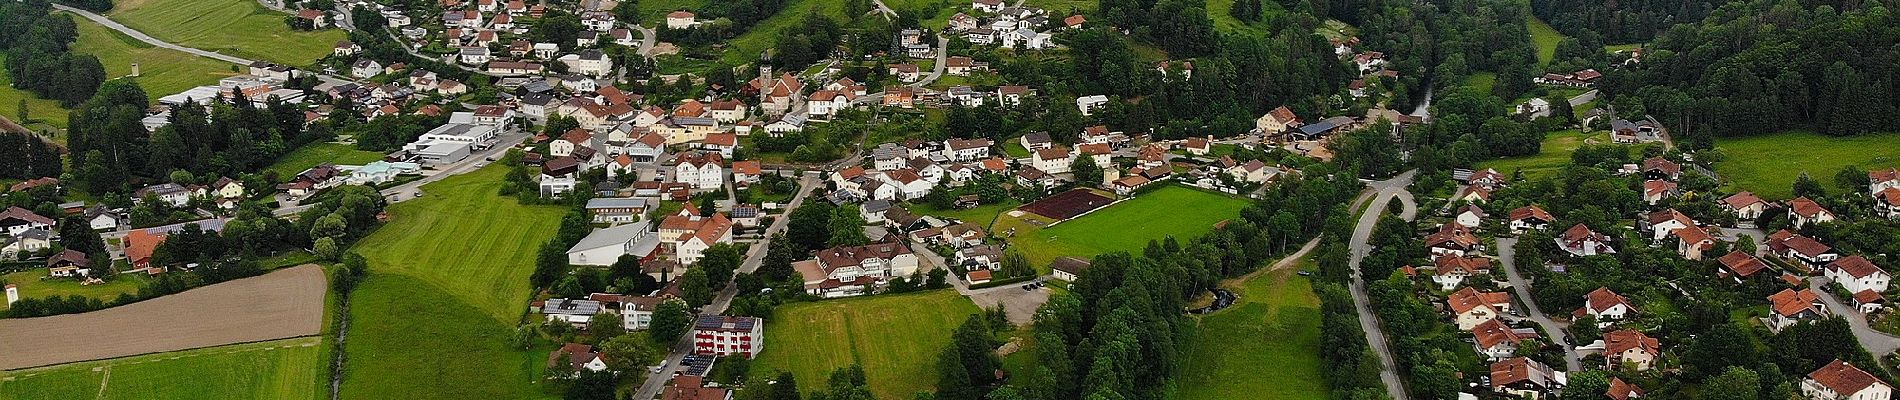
<point x="449" y="275"/>
<point x="1544" y="37"/>
<point x="758" y="37"/>
<point x="32" y="287"/>
<point x="281" y="304"/>
<point x="1554" y="155"/>
<point x="311" y="155"/>
<point x="1265" y="347"/>
<point x="161" y="71"/>
<point x="240" y="28"/>
<point x="1179" y="211"/>
<point x="278" y="369"/>
<point x="895" y="337"/>
<point x="1769" y="164"/>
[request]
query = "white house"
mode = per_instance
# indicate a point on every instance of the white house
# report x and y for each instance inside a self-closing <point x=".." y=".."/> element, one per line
<point x="16" y="221"/>
<point x="1856" y="274"/>
<point x="680" y="20"/>
<point x="1840" y="380"/>
<point x="1605" y="305"/>
<point x="1472" y="307"/>
<point x="1053" y="160"/>
<point x="578" y="357"/>
<point x="1580" y="241"/>
<point x="1088" y="104"/>
<point x="702" y="170"/>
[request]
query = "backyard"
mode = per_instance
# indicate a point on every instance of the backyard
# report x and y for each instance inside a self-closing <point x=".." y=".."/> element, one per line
<point x="895" y="337"/>
<point x="1178" y="211"/>
<point x="31" y="286"/>
<point x="278" y="369"/>
<point x="449" y="277"/>
<point x="1265" y="347"/>
<point x="240" y="28"/>
<point x="311" y="155"/>
<point x="1769" y="164"/>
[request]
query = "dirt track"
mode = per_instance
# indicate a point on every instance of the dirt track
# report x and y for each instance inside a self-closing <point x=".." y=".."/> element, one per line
<point x="282" y="304"/>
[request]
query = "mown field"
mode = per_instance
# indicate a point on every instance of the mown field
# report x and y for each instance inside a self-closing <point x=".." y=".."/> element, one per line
<point x="40" y="110"/>
<point x="278" y="369"/>
<point x="313" y="154"/>
<point x="31" y="286"/>
<point x="1769" y="164"/>
<point x="449" y="282"/>
<point x="161" y="71"/>
<point x="1182" y="212"/>
<point x="1554" y="155"/>
<point x="1544" y="37"/>
<point x="240" y="28"/>
<point x="1265" y="347"/>
<point x="896" y="338"/>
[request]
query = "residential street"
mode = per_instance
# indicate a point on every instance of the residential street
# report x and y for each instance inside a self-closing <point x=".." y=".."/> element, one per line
<point x="1506" y="251"/>
<point x="657" y="380"/>
<point x="1877" y="342"/>
<point x="943" y="54"/>
<point x="1383" y="192"/>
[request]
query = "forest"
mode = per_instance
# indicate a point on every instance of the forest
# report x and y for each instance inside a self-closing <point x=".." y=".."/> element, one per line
<point x="39" y="57"/>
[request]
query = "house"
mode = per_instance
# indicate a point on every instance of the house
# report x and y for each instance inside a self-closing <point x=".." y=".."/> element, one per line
<point x="1471" y="307"/>
<point x="1854" y="274"/>
<point x="1453" y="239"/>
<point x="1197" y="145"/>
<point x="1498" y="341"/>
<point x="988" y="6"/>
<point x="728" y="111"/>
<point x="577" y="357"/>
<point x="722" y="143"/>
<point x="967" y="149"/>
<point x="1804" y="211"/>
<point x="1529" y="217"/>
<point x="18" y="246"/>
<point x="1098" y="153"/>
<point x="680" y="20"/>
<point x="1840" y="380"/>
<point x="701" y="170"/>
<point x="1654" y="191"/>
<point x="1645" y="131"/>
<point x="1620" y="390"/>
<point x="68" y="263"/>
<point x="1054" y="160"/>
<point x="746" y="172"/>
<point x="1253" y="171"/>
<point x="1692" y="241"/>
<point x="100" y="218"/>
<point x="1655" y="168"/>
<point x="1470" y="216"/>
<point x="1887" y="202"/>
<point x="1451" y="271"/>
<point x="1088" y="104"/>
<point x="574" y="312"/>
<point x="979" y="258"/>
<point x="1525" y="378"/>
<point x="317" y="18"/>
<point x="1580" y="241"/>
<point x="692" y="387"/>
<point x="1791" y="307"/>
<point x="1630" y="348"/>
<point x="636" y="312"/>
<point x="1605" y="305"/>
<point x="688" y="234"/>
<point x="617" y="209"/>
<point x="880" y="261"/>
<point x="963" y="66"/>
<point x="1068" y="268"/>
<point x="1739" y="265"/>
<point x="905" y="72"/>
<point x="1745" y="206"/>
<point x="1868" y="301"/>
<point x="720" y="335"/>
<point x="817" y="283"/>
<point x="345" y="48"/>
<point x="1074" y="21"/>
<point x="1036" y="141"/>
<point x="1789" y="245"/>
<point x="1279" y="120"/>
<point x="169" y="193"/>
<point x="16" y="221"/>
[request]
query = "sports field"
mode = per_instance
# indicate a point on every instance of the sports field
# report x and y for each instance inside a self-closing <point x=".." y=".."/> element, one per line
<point x="240" y="28"/>
<point x="278" y="369"/>
<point x="1182" y="212"/>
<point x="895" y="337"/>
<point x="1769" y="164"/>
<point x="448" y="283"/>
<point x="1544" y="37"/>
<point x="313" y="154"/>
<point x="1265" y="347"/>
<point x="161" y="71"/>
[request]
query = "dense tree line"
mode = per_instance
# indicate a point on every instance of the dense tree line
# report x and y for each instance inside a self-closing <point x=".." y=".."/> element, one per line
<point x="110" y="147"/>
<point x="1620" y="21"/>
<point x="38" y="57"/>
<point x="28" y="157"/>
<point x="1181" y="27"/>
<point x="89" y="5"/>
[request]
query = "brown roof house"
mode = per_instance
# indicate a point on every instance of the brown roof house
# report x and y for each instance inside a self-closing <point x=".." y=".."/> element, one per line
<point x="1472" y="307"/>
<point x="1630" y="348"/>
<point x="1840" y="380"/>
<point x="1791" y="307"/>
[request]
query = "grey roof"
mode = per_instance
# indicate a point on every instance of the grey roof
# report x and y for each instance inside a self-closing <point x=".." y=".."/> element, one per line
<point x="614" y="236"/>
<point x="876" y="206"/>
<point x="570" y="307"/>
<point x="616" y="202"/>
<point x="720" y="322"/>
<point x="888" y="151"/>
<point x="213" y="225"/>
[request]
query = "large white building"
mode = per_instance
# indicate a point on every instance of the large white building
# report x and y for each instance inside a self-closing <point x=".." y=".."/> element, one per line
<point x="604" y="246"/>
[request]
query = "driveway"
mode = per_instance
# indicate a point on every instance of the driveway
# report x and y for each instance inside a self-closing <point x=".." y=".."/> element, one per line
<point x="1877" y="342"/>
<point x="1382" y="193"/>
<point x="1506" y="254"/>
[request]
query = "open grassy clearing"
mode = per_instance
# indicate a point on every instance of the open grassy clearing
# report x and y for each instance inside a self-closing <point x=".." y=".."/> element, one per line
<point x="31" y="286"/>
<point x="40" y="110"/>
<point x="1621" y="47"/>
<point x="1226" y="23"/>
<point x="161" y="71"/>
<point x="313" y="154"/>
<point x="1482" y="81"/>
<point x="278" y="369"/>
<point x="1063" y="7"/>
<point x="896" y="338"/>
<point x="1554" y="155"/>
<point x="241" y="28"/>
<point x="1182" y="212"/>
<point x="1545" y="37"/>
<point x="449" y="277"/>
<point x="653" y="12"/>
<point x="981" y="215"/>
<point x="758" y="37"/>
<point x="1769" y="164"/>
<point x="1264" y="347"/>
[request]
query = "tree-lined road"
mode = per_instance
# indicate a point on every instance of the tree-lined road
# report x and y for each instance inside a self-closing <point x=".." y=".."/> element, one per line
<point x="1382" y="192"/>
<point x="1506" y="255"/>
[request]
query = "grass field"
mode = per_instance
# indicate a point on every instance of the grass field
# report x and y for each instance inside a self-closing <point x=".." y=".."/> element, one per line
<point x="981" y="215"/>
<point x="313" y="154"/>
<point x="278" y="369"/>
<point x="1482" y="81"/>
<point x="653" y="12"/>
<point x="1554" y="156"/>
<point x="896" y="338"/>
<point x="38" y="109"/>
<point x="32" y="287"/>
<point x="449" y="282"/>
<point x="1226" y="23"/>
<point x="1265" y="347"/>
<point x="161" y="71"/>
<point x="1545" y="37"/>
<point x="240" y="28"/>
<point x="1769" y="164"/>
<point x="1062" y="8"/>
<point x="1621" y="47"/>
<point x="1179" y="211"/>
<point x="758" y="37"/>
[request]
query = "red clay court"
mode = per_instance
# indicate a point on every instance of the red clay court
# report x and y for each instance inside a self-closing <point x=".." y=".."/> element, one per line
<point x="1068" y="204"/>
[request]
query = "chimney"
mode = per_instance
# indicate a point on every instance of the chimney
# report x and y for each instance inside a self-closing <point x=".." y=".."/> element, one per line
<point x="13" y="294"/>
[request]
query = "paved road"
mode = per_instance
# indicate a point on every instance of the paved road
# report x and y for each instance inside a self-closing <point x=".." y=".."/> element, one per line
<point x="1384" y="192"/>
<point x="408" y="191"/>
<point x="943" y="54"/>
<point x="1506" y="254"/>
<point x="1877" y="342"/>
<point x="656" y="381"/>
<point x="886" y="10"/>
<point x="648" y="37"/>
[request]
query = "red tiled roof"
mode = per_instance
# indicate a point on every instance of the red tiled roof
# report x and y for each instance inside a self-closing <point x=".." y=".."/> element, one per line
<point x="1469" y="298"/>
<point x="1602" y="299"/>
<point x="1843" y="378"/>
<point x="1855" y="266"/>
<point x="1620" y="390"/>
<point x="1740" y="200"/>
<point x="1806" y="207"/>
<point x="1630" y="339"/>
<point x="1790" y="303"/>
<point x="1742" y="264"/>
<point x="1530" y="211"/>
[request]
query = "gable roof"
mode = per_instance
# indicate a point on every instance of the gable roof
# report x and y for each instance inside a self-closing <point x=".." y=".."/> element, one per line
<point x="1618" y="342"/>
<point x="1740" y="200"/>
<point x="1620" y="390"/>
<point x="1663" y="165"/>
<point x="1520" y="370"/>
<point x="1742" y="264"/>
<point x="24" y="215"/>
<point x="1602" y="299"/>
<point x="1531" y="211"/>
<point x="1843" y="378"/>
<point x="1469" y="298"/>
<point x="1493" y="332"/>
<point x="1855" y="266"/>
<point x="1791" y="303"/>
<point x="1806" y="207"/>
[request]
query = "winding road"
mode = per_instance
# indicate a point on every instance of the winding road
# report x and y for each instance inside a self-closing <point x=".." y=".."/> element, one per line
<point x="1381" y="192"/>
<point x="943" y="54"/>
<point x="1506" y="255"/>
<point x="1877" y="342"/>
